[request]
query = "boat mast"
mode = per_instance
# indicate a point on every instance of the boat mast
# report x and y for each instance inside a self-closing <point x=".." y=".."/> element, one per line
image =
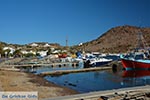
<point x="141" y="42"/>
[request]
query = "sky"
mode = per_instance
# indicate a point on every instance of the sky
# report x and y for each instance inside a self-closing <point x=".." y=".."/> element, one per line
<point x="78" y="21"/>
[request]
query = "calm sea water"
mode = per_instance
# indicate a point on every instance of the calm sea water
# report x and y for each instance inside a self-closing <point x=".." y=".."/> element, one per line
<point x="97" y="81"/>
<point x="101" y="80"/>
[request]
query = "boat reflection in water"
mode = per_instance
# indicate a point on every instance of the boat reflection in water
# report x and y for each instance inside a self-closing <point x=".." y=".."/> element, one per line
<point x="136" y="77"/>
<point x="136" y="73"/>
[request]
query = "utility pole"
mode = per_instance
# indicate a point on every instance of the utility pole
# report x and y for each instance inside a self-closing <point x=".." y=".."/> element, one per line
<point x="66" y="41"/>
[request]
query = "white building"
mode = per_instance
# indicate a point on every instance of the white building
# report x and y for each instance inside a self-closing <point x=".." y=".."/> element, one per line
<point x="42" y="53"/>
<point x="46" y="45"/>
<point x="11" y="49"/>
<point x="24" y="52"/>
<point x="34" y="45"/>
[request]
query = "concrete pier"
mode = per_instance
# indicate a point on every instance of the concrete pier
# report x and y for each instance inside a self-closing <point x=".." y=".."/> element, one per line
<point x="133" y="93"/>
<point x="39" y="65"/>
<point x="59" y="72"/>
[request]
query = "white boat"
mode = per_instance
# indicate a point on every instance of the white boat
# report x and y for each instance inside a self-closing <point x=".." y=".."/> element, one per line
<point x="96" y="62"/>
<point x="99" y="62"/>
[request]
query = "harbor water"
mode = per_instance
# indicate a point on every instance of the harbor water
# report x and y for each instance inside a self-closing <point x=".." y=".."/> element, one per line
<point x="84" y="82"/>
<point x="100" y="80"/>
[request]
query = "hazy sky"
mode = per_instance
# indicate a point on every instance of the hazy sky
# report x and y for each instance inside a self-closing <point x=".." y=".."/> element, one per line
<point x="26" y="21"/>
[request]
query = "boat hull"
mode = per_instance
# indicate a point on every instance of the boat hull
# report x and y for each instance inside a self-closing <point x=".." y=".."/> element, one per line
<point x="97" y="64"/>
<point x="131" y="64"/>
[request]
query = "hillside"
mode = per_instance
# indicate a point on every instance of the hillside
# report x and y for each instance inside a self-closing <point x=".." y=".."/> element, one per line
<point x="118" y="39"/>
<point x="32" y="46"/>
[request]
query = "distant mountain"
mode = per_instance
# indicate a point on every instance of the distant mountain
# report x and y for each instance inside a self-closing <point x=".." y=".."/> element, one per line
<point x="118" y="39"/>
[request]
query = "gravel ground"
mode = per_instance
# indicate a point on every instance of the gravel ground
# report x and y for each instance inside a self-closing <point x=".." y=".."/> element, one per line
<point x="20" y="81"/>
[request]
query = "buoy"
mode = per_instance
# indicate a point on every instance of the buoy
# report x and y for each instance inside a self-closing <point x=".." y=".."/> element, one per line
<point x="59" y="65"/>
<point x="77" y="64"/>
<point x="52" y="66"/>
<point x="73" y="65"/>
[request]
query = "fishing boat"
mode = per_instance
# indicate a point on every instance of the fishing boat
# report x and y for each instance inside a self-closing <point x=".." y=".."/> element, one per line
<point x="137" y="59"/>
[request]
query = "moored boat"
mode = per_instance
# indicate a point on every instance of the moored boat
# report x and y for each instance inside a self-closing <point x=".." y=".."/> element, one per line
<point x="130" y="63"/>
<point x="139" y="58"/>
<point x="135" y="62"/>
<point x="99" y="62"/>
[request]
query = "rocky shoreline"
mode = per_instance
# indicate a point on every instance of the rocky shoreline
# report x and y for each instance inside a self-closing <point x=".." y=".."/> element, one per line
<point x="21" y="81"/>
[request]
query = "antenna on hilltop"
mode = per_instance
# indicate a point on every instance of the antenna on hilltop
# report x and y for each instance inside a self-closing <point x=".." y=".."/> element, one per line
<point x="66" y="41"/>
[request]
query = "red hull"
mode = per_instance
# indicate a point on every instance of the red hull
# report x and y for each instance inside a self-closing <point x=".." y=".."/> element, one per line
<point x="62" y="55"/>
<point x="136" y="73"/>
<point x="129" y="64"/>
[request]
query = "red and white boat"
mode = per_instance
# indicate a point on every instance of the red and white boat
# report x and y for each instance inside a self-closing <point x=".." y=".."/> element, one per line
<point x="139" y="58"/>
<point x="137" y="61"/>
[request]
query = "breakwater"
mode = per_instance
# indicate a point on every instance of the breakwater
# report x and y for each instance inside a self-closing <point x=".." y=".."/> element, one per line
<point x="61" y="72"/>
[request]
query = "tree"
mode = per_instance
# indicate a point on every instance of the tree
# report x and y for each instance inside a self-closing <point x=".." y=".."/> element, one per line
<point x="38" y="54"/>
<point x="17" y="53"/>
<point x="7" y="52"/>
<point x="29" y="55"/>
<point x="49" y="52"/>
<point x="1" y="51"/>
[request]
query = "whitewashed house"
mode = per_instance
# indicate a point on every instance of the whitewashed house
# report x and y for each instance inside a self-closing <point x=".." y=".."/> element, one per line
<point x="43" y="53"/>
<point x="11" y="49"/>
<point x="24" y="52"/>
<point x="34" y="45"/>
<point x="46" y="45"/>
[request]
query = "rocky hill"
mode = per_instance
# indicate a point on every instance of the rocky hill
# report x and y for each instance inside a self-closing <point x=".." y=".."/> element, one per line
<point x="118" y="39"/>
